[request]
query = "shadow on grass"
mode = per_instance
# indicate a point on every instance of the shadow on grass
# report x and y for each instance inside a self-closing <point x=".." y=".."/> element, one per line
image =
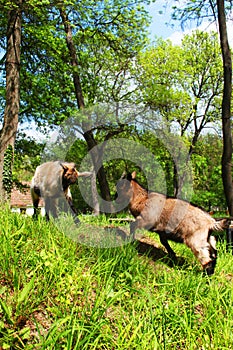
<point x="148" y="247"/>
<point x="154" y="253"/>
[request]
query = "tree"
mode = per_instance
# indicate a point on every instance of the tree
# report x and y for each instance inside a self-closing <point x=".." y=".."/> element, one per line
<point x="27" y="156"/>
<point x="10" y="124"/>
<point x="183" y="85"/>
<point x="208" y="186"/>
<point x="87" y="126"/>
<point x="198" y="10"/>
<point x="48" y="61"/>
<point x="226" y="108"/>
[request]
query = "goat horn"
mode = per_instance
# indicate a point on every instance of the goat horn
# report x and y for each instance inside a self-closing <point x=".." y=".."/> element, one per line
<point x="123" y="175"/>
<point x="85" y="173"/>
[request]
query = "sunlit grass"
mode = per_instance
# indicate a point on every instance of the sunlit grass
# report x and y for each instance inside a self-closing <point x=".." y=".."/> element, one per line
<point x="57" y="293"/>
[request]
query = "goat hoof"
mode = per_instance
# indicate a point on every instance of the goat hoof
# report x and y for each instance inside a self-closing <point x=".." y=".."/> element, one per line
<point x="77" y="221"/>
<point x="131" y="238"/>
<point x="172" y="256"/>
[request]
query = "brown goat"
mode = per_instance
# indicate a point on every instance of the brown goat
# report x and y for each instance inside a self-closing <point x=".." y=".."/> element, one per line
<point x="52" y="181"/>
<point x="172" y="219"/>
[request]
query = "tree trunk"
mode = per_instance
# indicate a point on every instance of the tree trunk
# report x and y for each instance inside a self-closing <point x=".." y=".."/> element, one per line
<point x="88" y="135"/>
<point x="226" y="108"/>
<point x="10" y="123"/>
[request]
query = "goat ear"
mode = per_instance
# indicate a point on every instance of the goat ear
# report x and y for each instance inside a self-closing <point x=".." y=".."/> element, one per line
<point x="133" y="175"/>
<point x="129" y="177"/>
<point x="123" y="175"/>
<point x="65" y="167"/>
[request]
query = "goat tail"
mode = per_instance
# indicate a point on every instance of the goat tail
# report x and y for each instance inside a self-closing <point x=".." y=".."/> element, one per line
<point x="221" y="224"/>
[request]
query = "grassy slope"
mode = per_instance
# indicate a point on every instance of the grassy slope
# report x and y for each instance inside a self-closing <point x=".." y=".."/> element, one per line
<point x="59" y="294"/>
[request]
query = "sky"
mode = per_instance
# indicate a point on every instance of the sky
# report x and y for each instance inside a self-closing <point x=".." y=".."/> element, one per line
<point x="162" y="26"/>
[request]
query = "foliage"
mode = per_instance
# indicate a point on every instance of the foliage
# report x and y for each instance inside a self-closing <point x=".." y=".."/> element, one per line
<point x="183" y="86"/>
<point x="160" y="73"/>
<point x="208" y="187"/>
<point x="219" y="11"/>
<point x="183" y="83"/>
<point x="57" y="294"/>
<point x="107" y="35"/>
<point x="157" y="164"/>
<point x="198" y="10"/>
<point x="27" y="157"/>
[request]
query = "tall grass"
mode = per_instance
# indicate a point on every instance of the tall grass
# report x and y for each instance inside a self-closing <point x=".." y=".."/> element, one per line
<point x="59" y="294"/>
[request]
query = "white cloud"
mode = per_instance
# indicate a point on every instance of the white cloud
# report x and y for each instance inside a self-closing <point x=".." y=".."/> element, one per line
<point x="177" y="36"/>
<point x="31" y="130"/>
<point x="163" y="26"/>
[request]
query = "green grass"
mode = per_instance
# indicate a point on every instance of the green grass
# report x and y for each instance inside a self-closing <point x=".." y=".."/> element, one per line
<point x="56" y="293"/>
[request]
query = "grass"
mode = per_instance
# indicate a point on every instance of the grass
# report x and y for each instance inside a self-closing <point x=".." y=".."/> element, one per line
<point x="57" y="293"/>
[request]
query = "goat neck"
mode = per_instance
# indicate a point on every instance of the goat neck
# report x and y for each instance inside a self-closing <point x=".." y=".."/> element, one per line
<point x="138" y="199"/>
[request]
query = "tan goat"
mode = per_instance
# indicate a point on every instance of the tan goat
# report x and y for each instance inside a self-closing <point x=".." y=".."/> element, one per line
<point x="52" y="181"/>
<point x="173" y="219"/>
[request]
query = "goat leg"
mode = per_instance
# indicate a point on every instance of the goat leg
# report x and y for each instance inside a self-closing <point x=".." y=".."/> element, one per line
<point x="74" y="212"/>
<point x="35" y="200"/>
<point x="35" y="208"/>
<point x="163" y="240"/>
<point x="139" y="223"/>
<point x="50" y="208"/>
<point x="133" y="227"/>
<point x="210" y="267"/>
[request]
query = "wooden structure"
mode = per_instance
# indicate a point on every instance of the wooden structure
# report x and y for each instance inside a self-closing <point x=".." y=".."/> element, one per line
<point x="21" y="200"/>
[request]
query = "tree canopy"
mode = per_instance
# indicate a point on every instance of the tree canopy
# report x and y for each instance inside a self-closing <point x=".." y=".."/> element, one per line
<point x="107" y="35"/>
<point x="98" y="53"/>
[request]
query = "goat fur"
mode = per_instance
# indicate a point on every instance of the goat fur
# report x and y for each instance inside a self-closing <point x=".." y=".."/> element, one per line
<point x="52" y="181"/>
<point x="173" y="219"/>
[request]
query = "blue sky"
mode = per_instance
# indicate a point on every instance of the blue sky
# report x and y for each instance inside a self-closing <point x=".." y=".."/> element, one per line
<point x="163" y="26"/>
<point x="161" y="20"/>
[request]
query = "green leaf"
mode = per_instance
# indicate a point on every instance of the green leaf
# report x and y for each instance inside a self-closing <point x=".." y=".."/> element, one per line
<point x="7" y="312"/>
<point x="26" y="290"/>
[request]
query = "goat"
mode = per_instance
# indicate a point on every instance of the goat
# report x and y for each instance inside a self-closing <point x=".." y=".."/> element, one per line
<point x="52" y="181"/>
<point x="172" y="219"/>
